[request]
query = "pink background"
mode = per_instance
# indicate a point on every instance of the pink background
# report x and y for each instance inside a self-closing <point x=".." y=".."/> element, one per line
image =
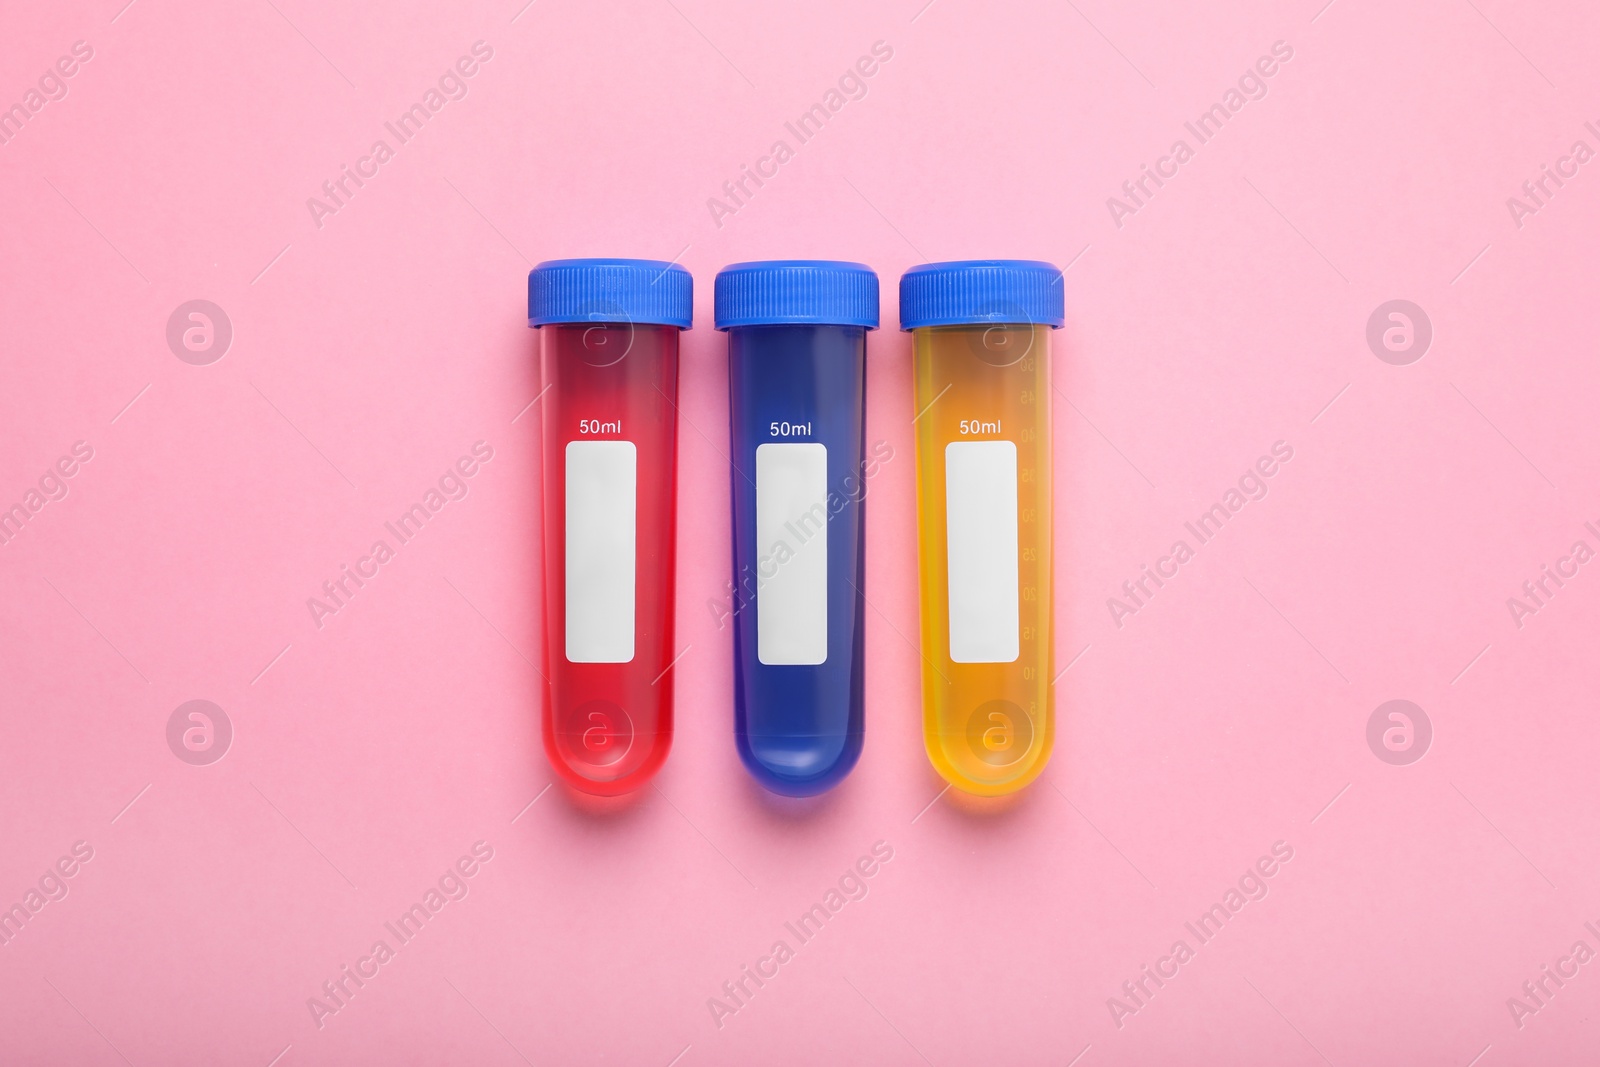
<point x="1230" y="713"/>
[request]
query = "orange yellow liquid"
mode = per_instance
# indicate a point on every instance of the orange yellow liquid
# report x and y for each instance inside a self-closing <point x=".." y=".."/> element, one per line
<point x="988" y="727"/>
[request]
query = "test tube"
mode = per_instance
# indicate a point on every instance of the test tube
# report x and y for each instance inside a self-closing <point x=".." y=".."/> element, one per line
<point x="980" y="335"/>
<point x="797" y="362"/>
<point x="608" y="352"/>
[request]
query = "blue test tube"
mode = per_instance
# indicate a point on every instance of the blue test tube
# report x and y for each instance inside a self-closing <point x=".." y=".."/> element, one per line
<point x="797" y="363"/>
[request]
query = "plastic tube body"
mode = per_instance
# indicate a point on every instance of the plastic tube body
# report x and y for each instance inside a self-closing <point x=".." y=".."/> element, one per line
<point x="797" y="424"/>
<point x="610" y="473"/>
<point x="984" y="545"/>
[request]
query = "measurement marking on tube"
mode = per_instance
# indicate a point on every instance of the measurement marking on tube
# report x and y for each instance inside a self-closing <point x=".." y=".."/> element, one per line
<point x="790" y="429"/>
<point x="971" y="426"/>
<point x="597" y="426"/>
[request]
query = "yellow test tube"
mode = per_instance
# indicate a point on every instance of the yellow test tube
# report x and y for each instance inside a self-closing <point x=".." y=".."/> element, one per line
<point x="981" y="356"/>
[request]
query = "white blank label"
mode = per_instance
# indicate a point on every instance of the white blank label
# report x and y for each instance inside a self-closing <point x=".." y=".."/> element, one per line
<point x="602" y="482"/>
<point x="792" y="554"/>
<point x="980" y="500"/>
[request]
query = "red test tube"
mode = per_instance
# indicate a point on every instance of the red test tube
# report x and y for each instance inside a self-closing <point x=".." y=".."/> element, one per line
<point x="608" y="353"/>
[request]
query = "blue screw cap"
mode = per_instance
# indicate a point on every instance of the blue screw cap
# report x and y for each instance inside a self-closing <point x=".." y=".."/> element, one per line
<point x="979" y="291"/>
<point x="780" y="292"/>
<point x="641" y="291"/>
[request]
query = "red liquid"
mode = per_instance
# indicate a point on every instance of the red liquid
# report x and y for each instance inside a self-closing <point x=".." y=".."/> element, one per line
<point x="607" y="726"/>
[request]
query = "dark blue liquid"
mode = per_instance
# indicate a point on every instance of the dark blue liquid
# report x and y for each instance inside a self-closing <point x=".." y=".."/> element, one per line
<point x="799" y="728"/>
